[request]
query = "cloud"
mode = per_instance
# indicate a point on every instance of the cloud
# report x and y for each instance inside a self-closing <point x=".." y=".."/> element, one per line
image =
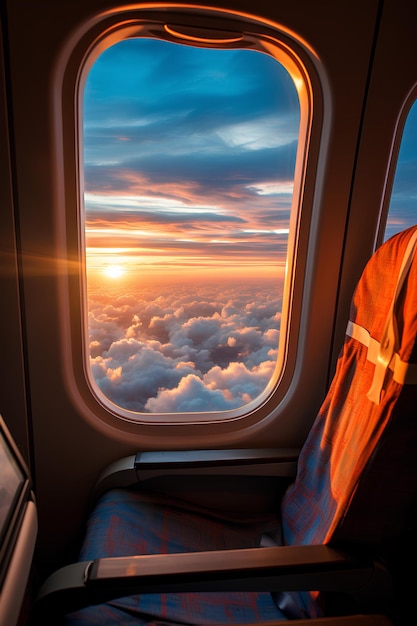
<point x="146" y="81"/>
<point x="190" y="396"/>
<point x="171" y="352"/>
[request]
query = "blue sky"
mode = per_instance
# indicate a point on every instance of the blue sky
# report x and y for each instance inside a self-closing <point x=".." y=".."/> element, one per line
<point x="403" y="203"/>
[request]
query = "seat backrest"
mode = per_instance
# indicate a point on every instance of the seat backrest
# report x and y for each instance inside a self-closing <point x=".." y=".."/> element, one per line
<point x="357" y="472"/>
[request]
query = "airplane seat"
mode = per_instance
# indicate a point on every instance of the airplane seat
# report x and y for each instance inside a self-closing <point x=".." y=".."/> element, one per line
<point x="18" y="530"/>
<point x="339" y="522"/>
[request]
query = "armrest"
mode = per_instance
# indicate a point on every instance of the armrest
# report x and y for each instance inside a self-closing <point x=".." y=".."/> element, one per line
<point x="264" y="462"/>
<point x="252" y="569"/>
<point x="145" y="465"/>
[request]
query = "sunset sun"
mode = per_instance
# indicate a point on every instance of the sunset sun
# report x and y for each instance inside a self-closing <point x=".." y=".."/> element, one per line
<point x="114" y="271"/>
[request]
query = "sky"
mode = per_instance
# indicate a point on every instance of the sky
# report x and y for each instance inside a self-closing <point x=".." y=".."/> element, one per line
<point x="189" y="158"/>
<point x="403" y="203"/>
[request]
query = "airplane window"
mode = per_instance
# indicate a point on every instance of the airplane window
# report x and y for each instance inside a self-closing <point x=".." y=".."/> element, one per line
<point x="188" y="173"/>
<point x="402" y="208"/>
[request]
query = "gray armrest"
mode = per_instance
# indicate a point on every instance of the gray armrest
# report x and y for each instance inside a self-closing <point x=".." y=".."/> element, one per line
<point x="253" y="569"/>
<point x="145" y="465"/>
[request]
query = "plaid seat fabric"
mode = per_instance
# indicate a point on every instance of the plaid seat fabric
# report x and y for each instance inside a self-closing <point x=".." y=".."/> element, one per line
<point x="357" y="472"/>
<point x="126" y="522"/>
<point x="356" y="480"/>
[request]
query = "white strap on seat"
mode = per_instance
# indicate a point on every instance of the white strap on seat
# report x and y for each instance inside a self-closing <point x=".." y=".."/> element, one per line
<point x="384" y="353"/>
<point x="403" y="372"/>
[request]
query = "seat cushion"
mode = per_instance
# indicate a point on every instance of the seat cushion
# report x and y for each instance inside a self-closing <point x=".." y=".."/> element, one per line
<point x="127" y="522"/>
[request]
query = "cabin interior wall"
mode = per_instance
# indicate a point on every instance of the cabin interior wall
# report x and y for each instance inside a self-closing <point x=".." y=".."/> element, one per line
<point x="70" y="446"/>
<point x="13" y="405"/>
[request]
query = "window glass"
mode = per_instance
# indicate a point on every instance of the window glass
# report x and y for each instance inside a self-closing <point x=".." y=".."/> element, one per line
<point x="402" y="211"/>
<point x="189" y="157"/>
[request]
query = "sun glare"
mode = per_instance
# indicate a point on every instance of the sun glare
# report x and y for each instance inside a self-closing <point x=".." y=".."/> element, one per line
<point x="114" y="271"/>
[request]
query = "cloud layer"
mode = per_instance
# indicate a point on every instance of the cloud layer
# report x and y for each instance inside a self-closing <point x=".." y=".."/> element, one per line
<point x="185" y="350"/>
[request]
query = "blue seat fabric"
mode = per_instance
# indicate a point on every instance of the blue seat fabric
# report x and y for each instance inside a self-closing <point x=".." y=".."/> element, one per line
<point x="127" y="522"/>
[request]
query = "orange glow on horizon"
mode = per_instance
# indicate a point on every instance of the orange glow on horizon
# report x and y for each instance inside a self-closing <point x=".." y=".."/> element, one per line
<point x="183" y="269"/>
